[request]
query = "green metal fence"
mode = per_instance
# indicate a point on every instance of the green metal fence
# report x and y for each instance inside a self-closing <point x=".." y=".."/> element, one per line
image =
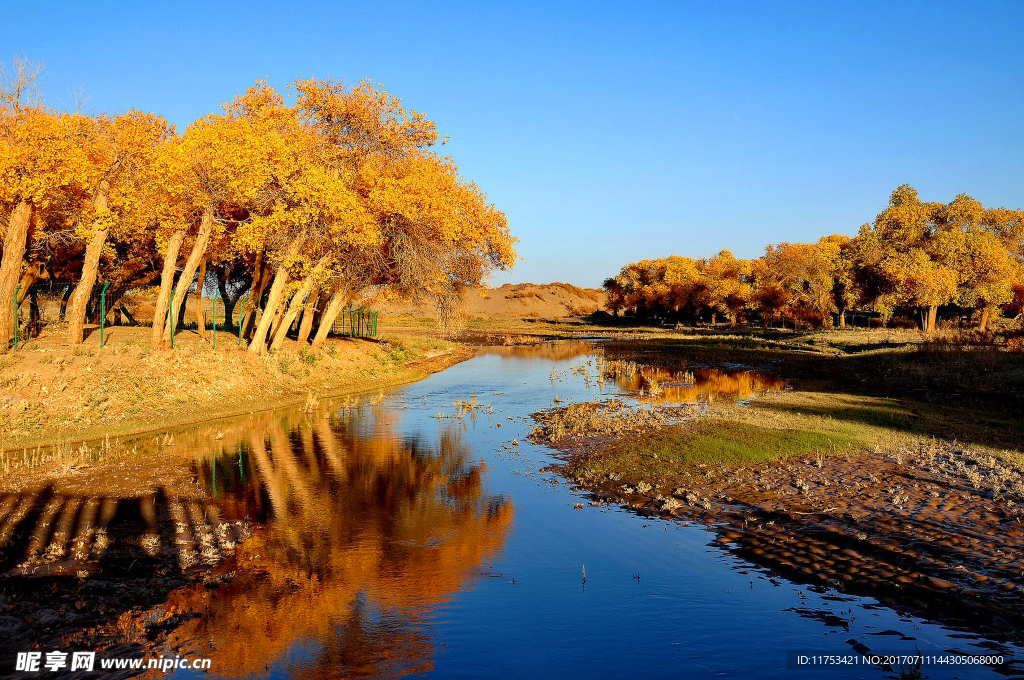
<point x="358" y="322"/>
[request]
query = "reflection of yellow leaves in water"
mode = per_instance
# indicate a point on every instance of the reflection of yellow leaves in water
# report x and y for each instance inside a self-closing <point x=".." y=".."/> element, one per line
<point x="660" y="386"/>
<point x="359" y="520"/>
<point x="562" y="350"/>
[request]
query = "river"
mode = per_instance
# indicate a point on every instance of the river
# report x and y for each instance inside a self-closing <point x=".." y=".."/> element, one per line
<point x="416" y="533"/>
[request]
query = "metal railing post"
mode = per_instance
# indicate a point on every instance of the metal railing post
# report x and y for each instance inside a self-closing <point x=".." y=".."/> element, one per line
<point x="171" y="311"/>
<point x="16" y="310"/>
<point x="241" y="318"/>
<point x="103" y="311"/>
<point x="215" y="320"/>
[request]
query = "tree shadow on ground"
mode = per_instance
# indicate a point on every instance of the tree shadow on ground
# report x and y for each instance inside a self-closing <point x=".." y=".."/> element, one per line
<point x="916" y="419"/>
<point x="73" y="562"/>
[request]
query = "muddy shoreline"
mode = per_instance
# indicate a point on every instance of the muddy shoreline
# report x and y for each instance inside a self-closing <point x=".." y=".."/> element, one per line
<point x="933" y="529"/>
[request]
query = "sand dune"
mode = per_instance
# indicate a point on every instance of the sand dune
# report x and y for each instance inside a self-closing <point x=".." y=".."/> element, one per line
<point x="551" y="300"/>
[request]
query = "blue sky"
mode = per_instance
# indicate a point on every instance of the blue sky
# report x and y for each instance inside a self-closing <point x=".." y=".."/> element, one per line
<point x="609" y="132"/>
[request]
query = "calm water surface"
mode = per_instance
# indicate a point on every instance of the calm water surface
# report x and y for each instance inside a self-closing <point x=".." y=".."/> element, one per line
<point x="405" y="535"/>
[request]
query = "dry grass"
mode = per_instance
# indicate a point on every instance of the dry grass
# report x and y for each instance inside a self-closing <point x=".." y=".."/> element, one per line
<point x="525" y="295"/>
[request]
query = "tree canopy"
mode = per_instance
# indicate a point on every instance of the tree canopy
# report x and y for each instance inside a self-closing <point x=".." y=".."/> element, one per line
<point x="915" y="257"/>
<point x="308" y="204"/>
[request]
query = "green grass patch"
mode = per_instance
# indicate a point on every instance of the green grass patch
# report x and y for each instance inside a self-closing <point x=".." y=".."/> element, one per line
<point x="726" y="442"/>
<point x="851" y="411"/>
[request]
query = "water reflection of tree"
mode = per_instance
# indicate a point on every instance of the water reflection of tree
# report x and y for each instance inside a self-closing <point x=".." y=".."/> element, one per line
<point x="686" y="387"/>
<point x="561" y="350"/>
<point x="367" y="534"/>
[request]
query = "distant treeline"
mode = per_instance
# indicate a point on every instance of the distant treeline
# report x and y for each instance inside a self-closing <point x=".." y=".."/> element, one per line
<point x="915" y="259"/>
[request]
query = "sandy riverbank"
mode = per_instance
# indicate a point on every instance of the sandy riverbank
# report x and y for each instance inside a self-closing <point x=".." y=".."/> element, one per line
<point x="51" y="393"/>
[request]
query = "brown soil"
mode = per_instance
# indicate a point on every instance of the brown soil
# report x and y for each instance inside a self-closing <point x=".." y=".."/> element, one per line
<point x="942" y="535"/>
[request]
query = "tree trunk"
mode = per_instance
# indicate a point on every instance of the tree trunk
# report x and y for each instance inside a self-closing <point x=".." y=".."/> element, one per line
<point x="229" y="309"/>
<point x="276" y="322"/>
<point x="259" y="282"/>
<point x="229" y="302"/>
<point x="298" y="302"/>
<point x="986" y="315"/>
<point x="308" y="311"/>
<point x="185" y="280"/>
<point x="200" y="321"/>
<point x="32" y="275"/>
<point x="15" y="242"/>
<point x="181" y="312"/>
<point x="33" y="311"/>
<point x="258" y="344"/>
<point x="933" y="314"/>
<point x="90" y="267"/>
<point x="842" y="317"/>
<point x="328" y="317"/>
<point x="29" y="278"/>
<point x="166" y="281"/>
<point x="64" y="302"/>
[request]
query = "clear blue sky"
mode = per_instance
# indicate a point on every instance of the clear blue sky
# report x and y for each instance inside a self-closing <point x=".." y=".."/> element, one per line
<point x="609" y="132"/>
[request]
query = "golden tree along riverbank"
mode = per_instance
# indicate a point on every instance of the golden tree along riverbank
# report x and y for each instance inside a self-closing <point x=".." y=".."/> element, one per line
<point x="300" y="208"/>
<point x="918" y="262"/>
<point x="54" y="394"/>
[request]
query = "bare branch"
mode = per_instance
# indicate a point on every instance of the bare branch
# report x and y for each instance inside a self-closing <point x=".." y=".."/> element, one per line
<point x="20" y="82"/>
